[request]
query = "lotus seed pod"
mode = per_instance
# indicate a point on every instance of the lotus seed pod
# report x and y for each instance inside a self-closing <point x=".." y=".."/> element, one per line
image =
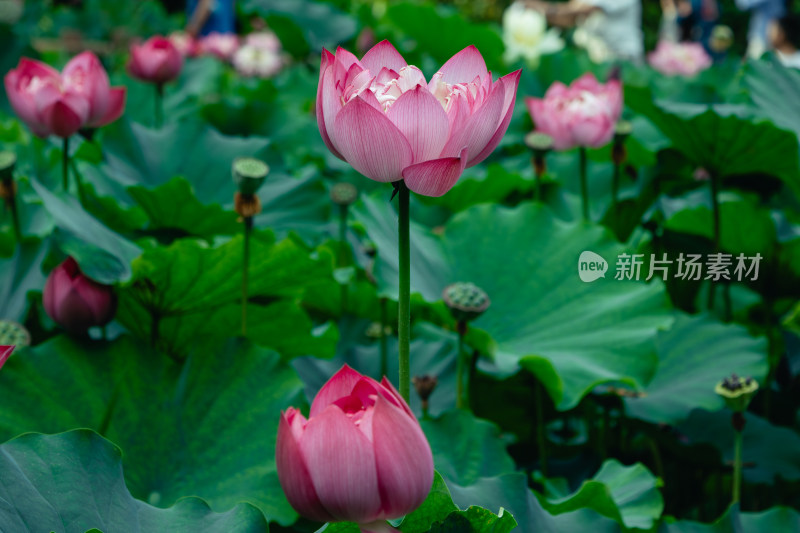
<point x="7" y="162"/>
<point x="249" y="174"/>
<point x="622" y="130"/>
<point x="344" y="194"/>
<point x="539" y="142"/>
<point x="466" y="301"/>
<point x="737" y="392"/>
<point x="14" y="334"/>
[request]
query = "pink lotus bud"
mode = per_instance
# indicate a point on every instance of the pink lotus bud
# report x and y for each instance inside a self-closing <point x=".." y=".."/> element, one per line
<point x="583" y="114"/>
<point x="76" y="302"/>
<point x="384" y="118"/>
<point x="361" y="456"/>
<point x="5" y="352"/>
<point x="53" y="103"/>
<point x="222" y="45"/>
<point x="157" y="60"/>
<point x="679" y="59"/>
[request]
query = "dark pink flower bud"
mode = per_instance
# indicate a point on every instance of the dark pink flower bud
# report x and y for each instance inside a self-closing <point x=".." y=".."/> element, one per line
<point x="61" y="103"/>
<point x="361" y="456"/>
<point x="157" y="60"/>
<point x="76" y="302"/>
<point x="5" y="351"/>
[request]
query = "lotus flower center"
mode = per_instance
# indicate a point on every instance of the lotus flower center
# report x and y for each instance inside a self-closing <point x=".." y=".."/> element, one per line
<point x="387" y="93"/>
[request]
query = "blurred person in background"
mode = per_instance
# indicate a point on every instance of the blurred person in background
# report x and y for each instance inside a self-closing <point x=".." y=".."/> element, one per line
<point x="609" y="29"/>
<point x="762" y="13"/>
<point x="784" y="38"/>
<point x="210" y="16"/>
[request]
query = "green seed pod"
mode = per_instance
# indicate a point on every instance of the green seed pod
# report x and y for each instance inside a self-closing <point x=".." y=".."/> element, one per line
<point x="344" y="194"/>
<point x="249" y="174"/>
<point x="13" y="334"/>
<point x="466" y="301"/>
<point x="737" y="392"/>
<point x="539" y="142"/>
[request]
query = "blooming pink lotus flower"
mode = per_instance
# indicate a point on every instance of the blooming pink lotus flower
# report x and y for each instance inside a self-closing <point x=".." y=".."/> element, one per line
<point x="222" y="45"/>
<point x="263" y="40"/>
<point x="76" y="302"/>
<point x="187" y="45"/>
<point x="361" y="456"/>
<point x="380" y="115"/>
<point x="583" y="114"/>
<point x="5" y="352"/>
<point x="53" y="103"/>
<point x="157" y="60"/>
<point x="679" y="59"/>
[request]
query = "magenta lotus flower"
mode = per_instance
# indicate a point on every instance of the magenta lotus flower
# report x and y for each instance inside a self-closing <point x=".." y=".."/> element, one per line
<point x="679" y="59"/>
<point x="381" y="115"/>
<point x="583" y="114"/>
<point x="53" y="103"/>
<point x="5" y="352"/>
<point x="76" y="302"/>
<point x="157" y="60"/>
<point x="361" y="456"/>
<point x="221" y="45"/>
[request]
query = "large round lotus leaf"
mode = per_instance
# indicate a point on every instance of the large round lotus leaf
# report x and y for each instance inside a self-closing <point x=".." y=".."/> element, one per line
<point x="572" y="334"/>
<point x="205" y="428"/>
<point x="774" y="520"/>
<point x="626" y="494"/>
<point x="724" y="139"/>
<point x="694" y="355"/>
<point x="73" y="482"/>
<point x="776" y="91"/>
<point x="19" y="275"/>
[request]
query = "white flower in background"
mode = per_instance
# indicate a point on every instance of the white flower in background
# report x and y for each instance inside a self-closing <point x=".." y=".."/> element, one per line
<point x="586" y="36"/>
<point x="526" y="36"/>
<point x="260" y="55"/>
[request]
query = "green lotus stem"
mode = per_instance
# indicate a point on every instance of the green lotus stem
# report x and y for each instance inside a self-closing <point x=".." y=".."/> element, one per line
<point x="343" y="251"/>
<point x="461" y="368"/>
<point x="11" y="204"/>
<point x="65" y="164"/>
<point x="404" y="305"/>
<point x="384" y="348"/>
<point x="541" y="437"/>
<point x="248" y="226"/>
<point x="159" y="105"/>
<point x="538" y="163"/>
<point x="584" y="183"/>
<point x="737" y="463"/>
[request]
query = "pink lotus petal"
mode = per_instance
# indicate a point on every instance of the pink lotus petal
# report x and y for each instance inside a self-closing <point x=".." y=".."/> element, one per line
<point x="116" y="105"/>
<point x="383" y="55"/>
<point x="85" y="75"/>
<point x="370" y="142"/>
<point x="397" y="396"/>
<point x="343" y="474"/>
<point x="464" y="66"/>
<point x="5" y="352"/>
<point x="340" y="385"/>
<point x="422" y="120"/>
<point x="328" y="106"/>
<point x="404" y="465"/>
<point x="62" y="119"/>
<point x="510" y="83"/>
<point x="437" y="176"/>
<point x="478" y="129"/>
<point x="293" y="473"/>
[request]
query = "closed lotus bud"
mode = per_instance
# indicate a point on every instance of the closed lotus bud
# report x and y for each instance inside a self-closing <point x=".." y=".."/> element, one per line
<point x="76" y="302"/>
<point x="361" y="455"/>
<point x="157" y="60"/>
